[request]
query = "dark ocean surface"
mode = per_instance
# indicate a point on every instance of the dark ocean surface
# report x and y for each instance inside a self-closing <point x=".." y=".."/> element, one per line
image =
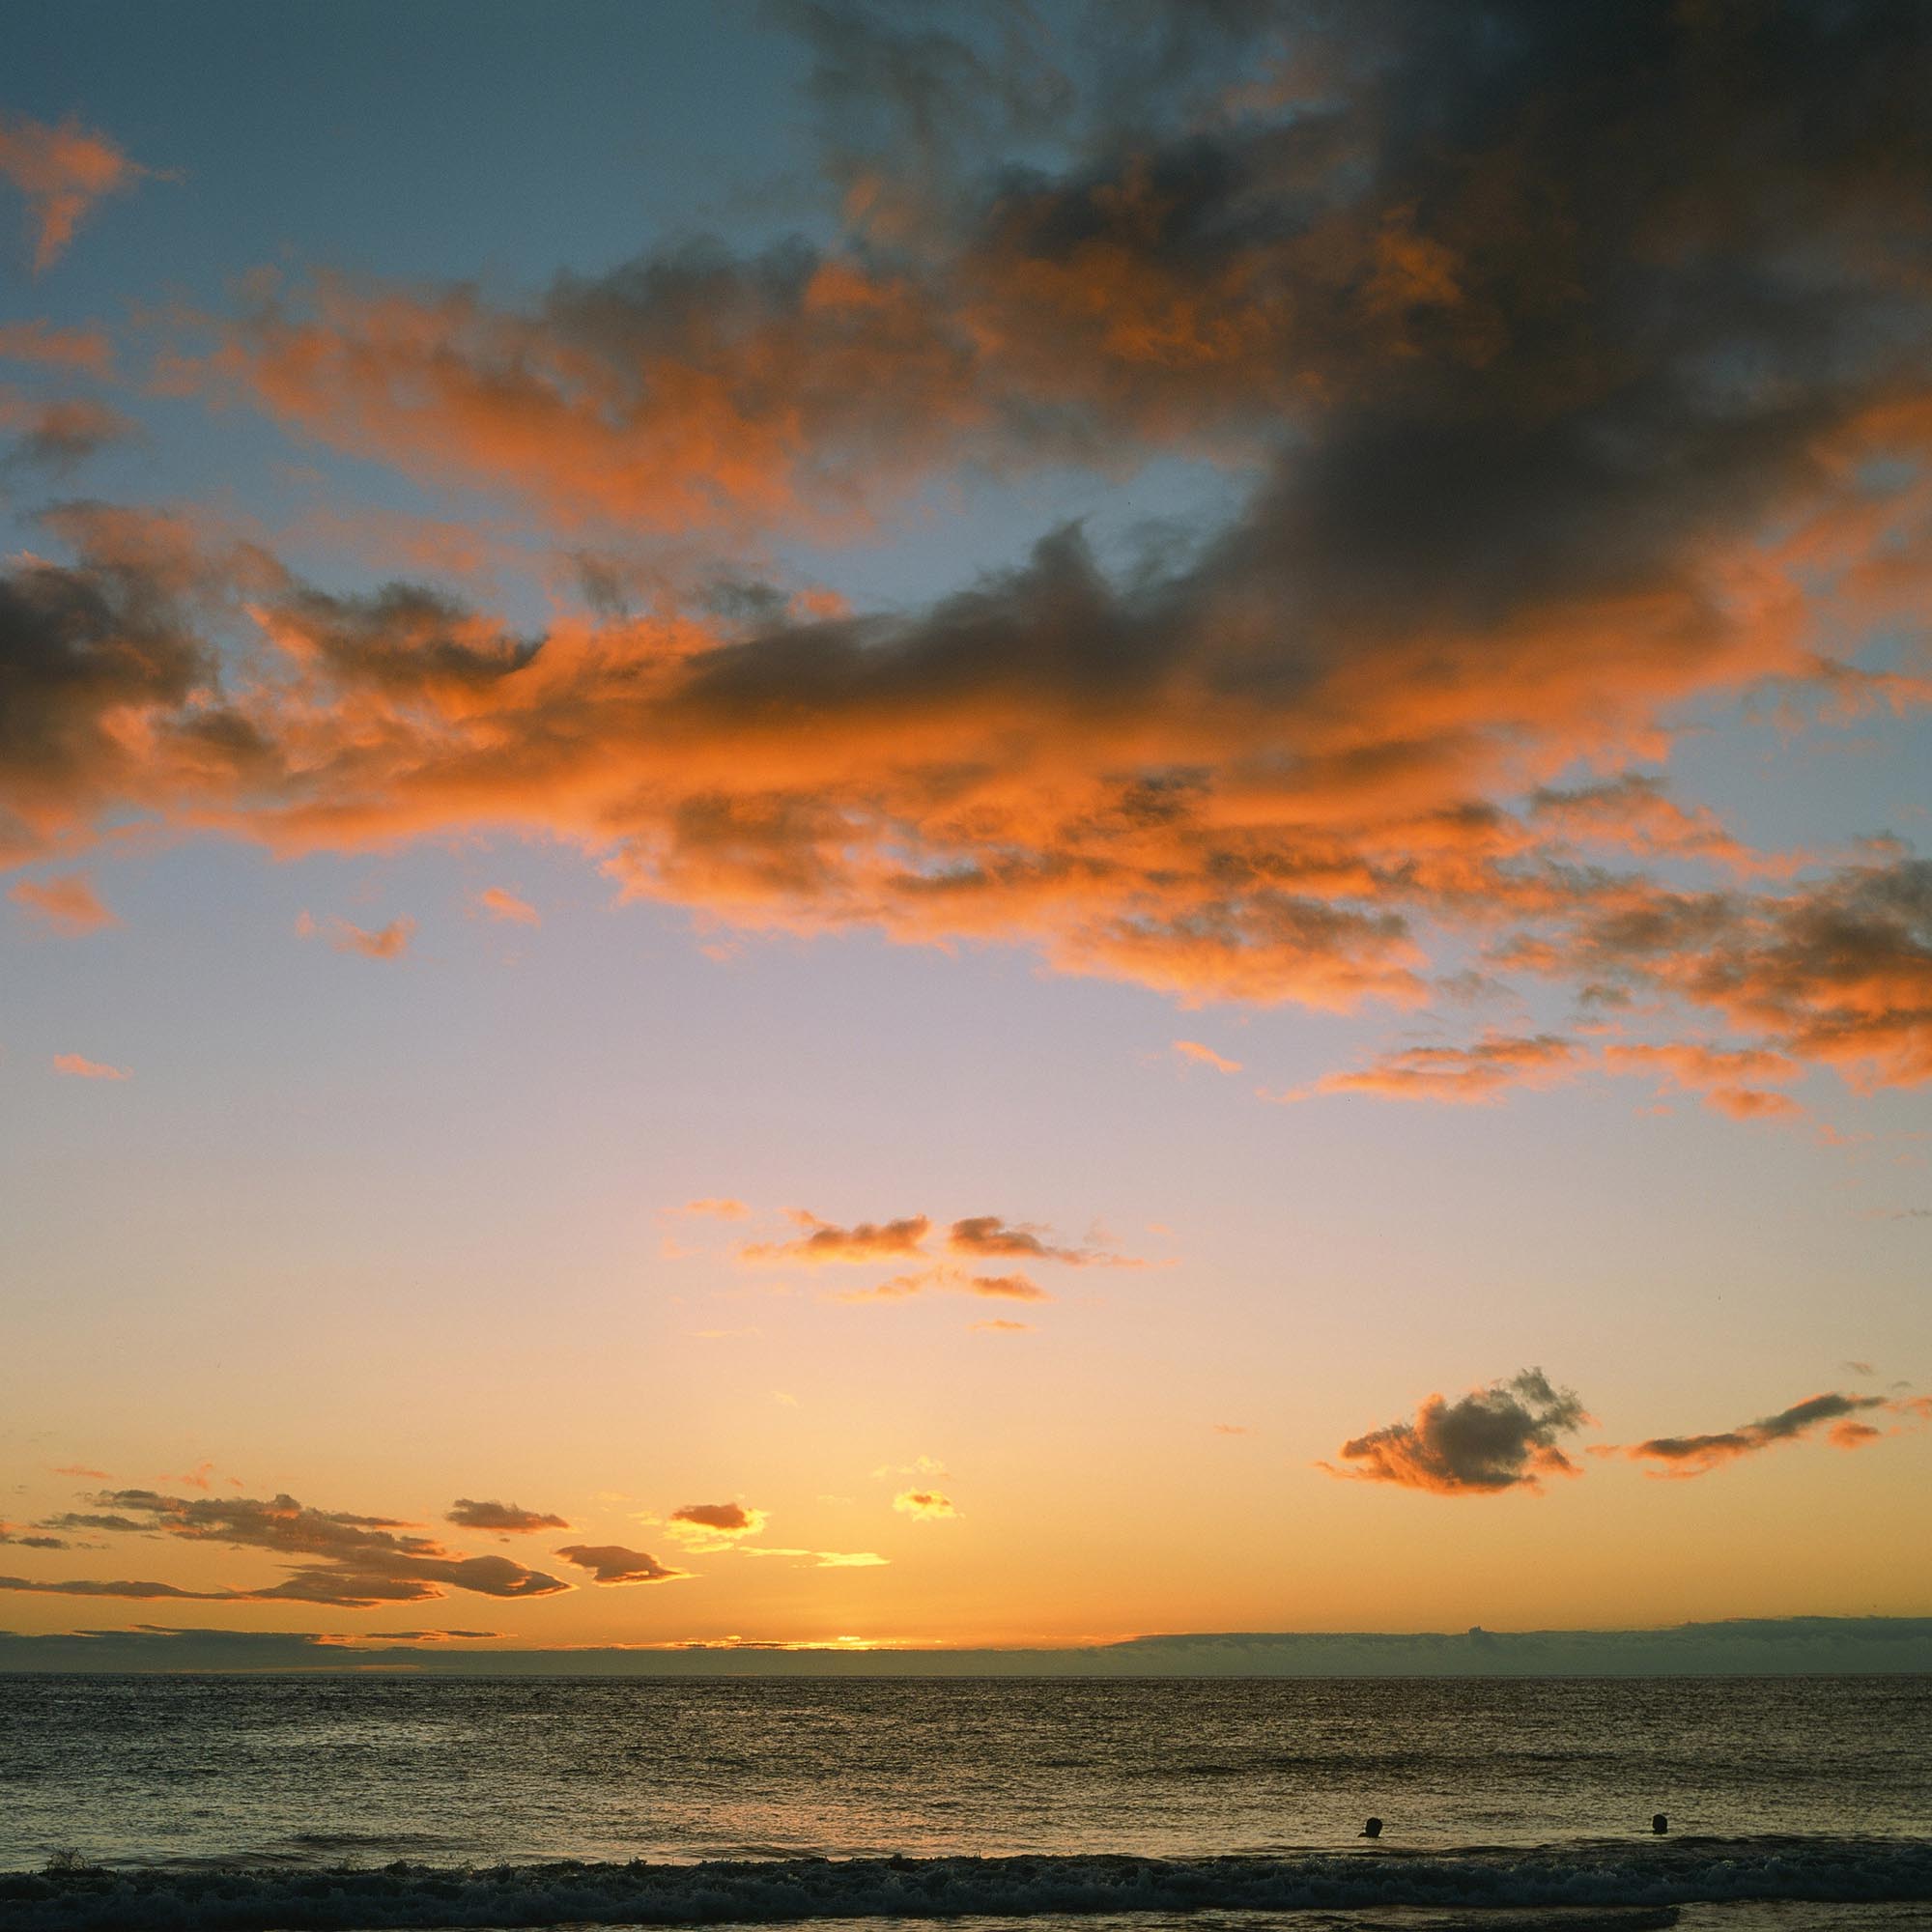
<point x="346" y="1801"/>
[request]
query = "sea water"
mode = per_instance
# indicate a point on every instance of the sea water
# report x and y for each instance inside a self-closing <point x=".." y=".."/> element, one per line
<point x="1234" y="1804"/>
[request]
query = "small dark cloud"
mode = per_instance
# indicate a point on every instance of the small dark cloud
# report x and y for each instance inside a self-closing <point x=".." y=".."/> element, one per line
<point x="733" y="1518"/>
<point x="614" y="1563"/>
<point x="1495" y="1439"/>
<point x="825" y="1241"/>
<point x="30" y="1539"/>
<point x="56" y="438"/>
<point x="429" y="1635"/>
<point x="989" y="1236"/>
<point x="506" y="1518"/>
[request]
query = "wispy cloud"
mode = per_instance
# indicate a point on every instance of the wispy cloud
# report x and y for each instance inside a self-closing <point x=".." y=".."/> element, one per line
<point x="383" y="942"/>
<point x="989" y="1236"/>
<point x="505" y="905"/>
<point x="68" y="905"/>
<point x="925" y="1505"/>
<point x="944" y="1280"/>
<point x="79" y="1067"/>
<point x="1837" y="1416"/>
<point x="825" y="1241"/>
<point x="62" y="171"/>
<point x="1728" y="1080"/>
<point x="1204" y="1056"/>
<point x="506" y="1518"/>
<point x="1477" y="1075"/>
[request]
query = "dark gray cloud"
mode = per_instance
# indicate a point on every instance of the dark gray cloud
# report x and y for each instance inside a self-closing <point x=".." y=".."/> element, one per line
<point x="507" y="1519"/>
<point x="332" y="1556"/>
<point x="1698" y="1455"/>
<point x="1495" y="1439"/>
<point x="30" y="1539"/>
<point x="614" y="1563"/>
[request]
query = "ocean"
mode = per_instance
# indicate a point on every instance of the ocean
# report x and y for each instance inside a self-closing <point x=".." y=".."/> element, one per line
<point x="246" y="1803"/>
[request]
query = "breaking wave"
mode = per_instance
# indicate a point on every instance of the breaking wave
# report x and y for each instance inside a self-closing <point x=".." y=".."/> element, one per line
<point x="1619" y="1883"/>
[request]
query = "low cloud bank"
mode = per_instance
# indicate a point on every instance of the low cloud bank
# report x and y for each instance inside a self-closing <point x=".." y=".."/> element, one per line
<point x="1750" y="1646"/>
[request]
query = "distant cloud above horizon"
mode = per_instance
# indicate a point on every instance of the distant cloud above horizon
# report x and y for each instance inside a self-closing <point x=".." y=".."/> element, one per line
<point x="615" y="1563"/>
<point x="1491" y="1440"/>
<point x="330" y="1556"/>
<point x="1685" y="1455"/>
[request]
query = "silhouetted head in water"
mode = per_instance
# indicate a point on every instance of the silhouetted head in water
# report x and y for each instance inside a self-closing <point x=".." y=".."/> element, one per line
<point x="1658" y="1822"/>
<point x="1372" y="1829"/>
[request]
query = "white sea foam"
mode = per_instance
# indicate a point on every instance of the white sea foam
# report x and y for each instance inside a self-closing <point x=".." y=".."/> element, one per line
<point x="1572" y="1877"/>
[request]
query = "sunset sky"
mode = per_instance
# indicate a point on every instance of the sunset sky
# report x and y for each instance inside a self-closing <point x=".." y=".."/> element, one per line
<point x="971" y="824"/>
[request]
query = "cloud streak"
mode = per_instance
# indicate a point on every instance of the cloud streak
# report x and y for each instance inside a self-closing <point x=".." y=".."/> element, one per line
<point x="505" y="1518"/>
<point x="78" y="1067"/>
<point x="67" y="904"/>
<point x="1837" y="1416"/>
<point x="1475" y="1075"/>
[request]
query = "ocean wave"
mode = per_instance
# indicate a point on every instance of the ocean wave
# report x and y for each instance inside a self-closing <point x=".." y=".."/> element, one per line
<point x="1569" y="1877"/>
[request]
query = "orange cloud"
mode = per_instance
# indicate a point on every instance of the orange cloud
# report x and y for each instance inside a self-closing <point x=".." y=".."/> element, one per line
<point x="1192" y="1049"/>
<point x="1495" y="1439"/>
<point x="68" y="905"/>
<point x="997" y="1288"/>
<point x="1461" y="1075"/>
<point x="987" y="1236"/>
<point x="82" y="1068"/>
<point x="1001" y="1327"/>
<point x="925" y="1505"/>
<point x="719" y="1209"/>
<point x="1838" y="972"/>
<point x="83" y="349"/>
<point x="1294" y="764"/>
<point x="720" y="1519"/>
<point x="1684" y="1456"/>
<point x="383" y="942"/>
<point x="823" y="1241"/>
<point x="62" y="171"/>
<point x="1715" y="1074"/>
<point x="505" y="905"/>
